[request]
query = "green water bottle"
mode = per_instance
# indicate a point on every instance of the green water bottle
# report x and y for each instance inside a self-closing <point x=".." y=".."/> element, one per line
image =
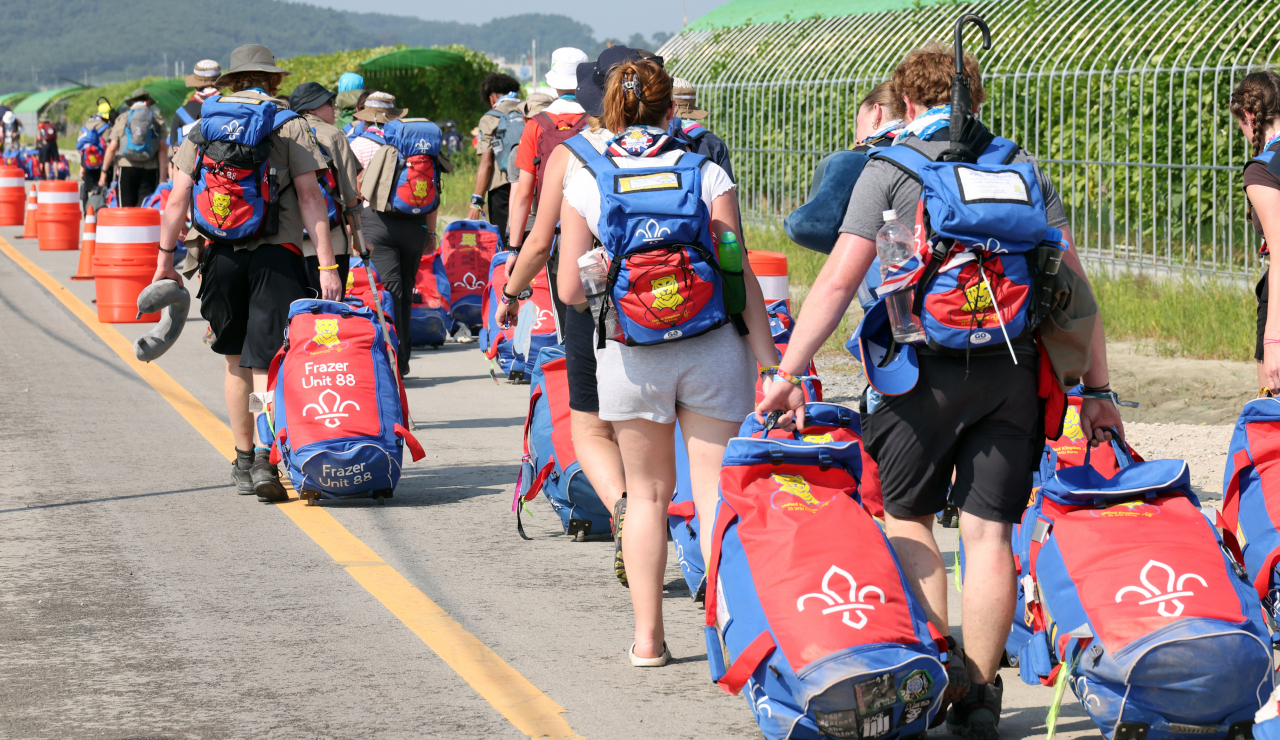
<point x="735" y="289"/>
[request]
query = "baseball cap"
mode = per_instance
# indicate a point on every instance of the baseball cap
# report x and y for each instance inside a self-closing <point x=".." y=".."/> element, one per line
<point x="871" y="344"/>
<point x="591" y="77"/>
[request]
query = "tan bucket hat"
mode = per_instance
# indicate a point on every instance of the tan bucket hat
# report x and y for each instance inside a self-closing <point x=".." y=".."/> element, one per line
<point x="686" y="99"/>
<point x="251" y="58"/>
<point x="206" y="72"/>
<point x="537" y="103"/>
<point x="380" y="107"/>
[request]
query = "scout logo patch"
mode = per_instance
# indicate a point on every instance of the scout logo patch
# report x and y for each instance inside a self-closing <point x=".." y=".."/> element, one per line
<point x="666" y="292"/>
<point x="326" y="338"/>
<point x="422" y="188"/>
<point x="819" y="439"/>
<point x="468" y="240"/>
<point x="221" y="204"/>
<point x="794" y="494"/>
<point x="1071" y="425"/>
<point x="915" y="686"/>
<point x="977" y="299"/>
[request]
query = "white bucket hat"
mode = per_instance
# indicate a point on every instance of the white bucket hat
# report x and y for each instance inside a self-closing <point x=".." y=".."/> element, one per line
<point x="563" y="74"/>
<point x="206" y="72"/>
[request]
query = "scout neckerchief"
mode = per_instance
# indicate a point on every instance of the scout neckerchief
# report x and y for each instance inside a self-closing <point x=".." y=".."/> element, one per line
<point x="926" y="124"/>
<point x="638" y="141"/>
<point x="888" y="128"/>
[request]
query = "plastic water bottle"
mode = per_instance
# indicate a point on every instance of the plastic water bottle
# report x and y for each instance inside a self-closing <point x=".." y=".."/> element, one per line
<point x="895" y="245"/>
<point x="729" y="253"/>
<point x="593" y="267"/>
<point x="525" y="321"/>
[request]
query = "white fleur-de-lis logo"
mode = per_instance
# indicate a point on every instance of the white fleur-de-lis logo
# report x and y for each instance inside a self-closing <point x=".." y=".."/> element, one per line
<point x="759" y="699"/>
<point x="837" y="603"/>
<point x="232" y="130"/>
<point x="653" y="232"/>
<point x="469" y="282"/>
<point x="333" y="411"/>
<point x="422" y="146"/>
<point x="1170" y="594"/>
<point x="543" y="315"/>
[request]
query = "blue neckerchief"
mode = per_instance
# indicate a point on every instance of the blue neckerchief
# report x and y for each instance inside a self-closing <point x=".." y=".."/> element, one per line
<point x="569" y="96"/>
<point x="886" y="129"/>
<point x="258" y="89"/>
<point x="928" y="123"/>
<point x="508" y="96"/>
<point x="1270" y="142"/>
<point x="639" y="141"/>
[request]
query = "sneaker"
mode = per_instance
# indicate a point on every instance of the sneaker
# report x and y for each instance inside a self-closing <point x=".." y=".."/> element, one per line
<point x="266" y="479"/>
<point x="977" y="715"/>
<point x="619" y="514"/>
<point x="240" y="477"/>
<point x="958" y="684"/>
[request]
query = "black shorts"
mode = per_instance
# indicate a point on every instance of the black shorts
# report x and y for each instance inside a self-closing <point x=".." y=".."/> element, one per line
<point x="580" y="361"/>
<point x="313" y="272"/>
<point x="1261" y="292"/>
<point x="48" y="152"/>
<point x="245" y="297"/>
<point x="980" y="424"/>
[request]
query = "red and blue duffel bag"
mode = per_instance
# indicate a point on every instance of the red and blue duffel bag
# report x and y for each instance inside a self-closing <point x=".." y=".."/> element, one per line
<point x="429" y="313"/>
<point x="550" y="465"/>
<point x="336" y="414"/>
<point x="467" y="251"/>
<point x="1251" y="498"/>
<point x="810" y="612"/>
<point x="358" y="290"/>
<point x="498" y="342"/>
<point x="1134" y="601"/>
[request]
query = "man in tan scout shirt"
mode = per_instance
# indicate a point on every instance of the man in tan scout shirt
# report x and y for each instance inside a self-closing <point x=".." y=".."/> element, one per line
<point x="246" y="288"/>
<point x="315" y="104"/>
<point x="145" y="164"/>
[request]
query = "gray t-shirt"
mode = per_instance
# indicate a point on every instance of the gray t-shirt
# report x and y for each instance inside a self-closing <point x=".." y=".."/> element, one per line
<point x="883" y="186"/>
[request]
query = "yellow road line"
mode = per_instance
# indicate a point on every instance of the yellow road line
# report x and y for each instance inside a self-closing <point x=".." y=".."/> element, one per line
<point x="522" y="703"/>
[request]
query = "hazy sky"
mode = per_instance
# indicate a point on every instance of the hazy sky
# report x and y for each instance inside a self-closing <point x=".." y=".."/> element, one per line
<point x="607" y="17"/>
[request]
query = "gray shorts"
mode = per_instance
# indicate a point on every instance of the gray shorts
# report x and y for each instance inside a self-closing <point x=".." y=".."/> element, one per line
<point x="713" y="375"/>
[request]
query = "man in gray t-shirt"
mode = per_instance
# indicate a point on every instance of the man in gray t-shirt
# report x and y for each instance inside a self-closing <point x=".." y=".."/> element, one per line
<point x="883" y="186"/>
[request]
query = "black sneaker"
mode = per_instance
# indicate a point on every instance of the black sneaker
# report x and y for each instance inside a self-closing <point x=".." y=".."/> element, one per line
<point x="958" y="684"/>
<point x="977" y="715"/>
<point x="266" y="479"/>
<point x="619" y="514"/>
<point x="240" y="472"/>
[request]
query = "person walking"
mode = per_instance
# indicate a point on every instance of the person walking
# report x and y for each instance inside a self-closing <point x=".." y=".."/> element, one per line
<point x="500" y="130"/>
<point x="970" y="423"/>
<point x="1255" y="103"/>
<point x="879" y="117"/>
<point x="688" y="128"/>
<point x="135" y="143"/>
<point x="92" y="145"/>
<point x="47" y="148"/>
<point x="350" y="92"/>
<point x="247" y="285"/>
<point x="396" y="241"/>
<point x="200" y="81"/>
<point x="696" y="368"/>
<point x="337" y="181"/>
<point x="12" y="133"/>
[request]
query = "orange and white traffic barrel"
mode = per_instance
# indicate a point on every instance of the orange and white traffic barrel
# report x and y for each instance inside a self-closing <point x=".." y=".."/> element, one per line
<point x="88" y="242"/>
<point x="128" y="243"/>
<point x="771" y="270"/>
<point x="13" y="196"/>
<point x="58" y="214"/>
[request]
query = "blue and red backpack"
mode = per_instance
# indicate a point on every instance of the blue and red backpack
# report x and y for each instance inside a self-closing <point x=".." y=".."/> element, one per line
<point x="807" y="607"/>
<point x="358" y="290"/>
<point x="90" y="145"/>
<point x="977" y="232"/>
<point x="1250" y="516"/>
<point x="429" y="314"/>
<point x="497" y="342"/>
<point x="1132" y="599"/>
<point x="467" y="251"/>
<point x="550" y="465"/>
<point x="664" y="278"/>
<point x="417" y="182"/>
<point x="328" y="180"/>
<point x="337" y="411"/>
<point x="236" y="197"/>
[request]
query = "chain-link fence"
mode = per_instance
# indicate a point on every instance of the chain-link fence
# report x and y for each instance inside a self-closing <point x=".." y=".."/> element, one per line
<point x="1124" y="102"/>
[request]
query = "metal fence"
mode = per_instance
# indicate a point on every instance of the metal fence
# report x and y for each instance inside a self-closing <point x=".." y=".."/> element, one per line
<point x="1124" y="102"/>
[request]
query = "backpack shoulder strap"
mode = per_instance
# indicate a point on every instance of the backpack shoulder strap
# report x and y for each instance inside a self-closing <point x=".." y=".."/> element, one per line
<point x="591" y="159"/>
<point x="904" y="157"/>
<point x="184" y="115"/>
<point x="493" y="112"/>
<point x="545" y="121"/>
<point x="283" y="117"/>
<point x="999" y="151"/>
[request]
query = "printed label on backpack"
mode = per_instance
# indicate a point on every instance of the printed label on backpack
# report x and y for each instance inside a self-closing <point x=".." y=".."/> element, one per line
<point x="329" y="378"/>
<point x="984" y="186"/>
<point x="653" y="181"/>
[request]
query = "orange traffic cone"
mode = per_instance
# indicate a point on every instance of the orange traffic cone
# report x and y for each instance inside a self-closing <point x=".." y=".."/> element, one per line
<point x="29" y="227"/>
<point x="88" y="241"/>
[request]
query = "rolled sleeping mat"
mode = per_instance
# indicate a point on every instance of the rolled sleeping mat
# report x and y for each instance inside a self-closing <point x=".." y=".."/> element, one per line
<point x="816" y="224"/>
<point x="176" y="303"/>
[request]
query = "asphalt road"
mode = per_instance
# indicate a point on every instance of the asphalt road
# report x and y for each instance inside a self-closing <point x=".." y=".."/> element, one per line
<point x="141" y="598"/>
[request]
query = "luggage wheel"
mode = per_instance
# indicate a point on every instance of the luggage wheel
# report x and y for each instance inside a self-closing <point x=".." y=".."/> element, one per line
<point x="1010" y="659"/>
<point x="1241" y="730"/>
<point x="311" y="497"/>
<point x="381" y="495"/>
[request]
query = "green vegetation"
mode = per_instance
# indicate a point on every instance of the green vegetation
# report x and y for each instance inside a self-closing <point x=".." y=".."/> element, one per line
<point x="1179" y="318"/>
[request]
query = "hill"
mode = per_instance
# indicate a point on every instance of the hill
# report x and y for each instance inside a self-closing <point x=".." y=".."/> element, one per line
<point x="80" y="40"/>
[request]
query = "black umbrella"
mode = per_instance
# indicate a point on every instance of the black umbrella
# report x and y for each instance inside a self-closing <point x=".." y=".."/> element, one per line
<point x="968" y="136"/>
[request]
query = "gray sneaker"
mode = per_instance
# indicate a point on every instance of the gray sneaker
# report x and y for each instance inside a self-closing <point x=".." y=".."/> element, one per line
<point x="977" y="715"/>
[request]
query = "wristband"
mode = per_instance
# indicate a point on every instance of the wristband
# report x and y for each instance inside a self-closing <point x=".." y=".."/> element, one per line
<point x="507" y="299"/>
<point x="167" y="251"/>
<point x="477" y="200"/>
<point x="780" y="373"/>
<point x="329" y="267"/>
<point x="769" y="370"/>
<point x="1109" y="395"/>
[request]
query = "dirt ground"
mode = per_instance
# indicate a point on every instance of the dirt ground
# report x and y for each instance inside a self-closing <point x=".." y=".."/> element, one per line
<point x="1186" y="408"/>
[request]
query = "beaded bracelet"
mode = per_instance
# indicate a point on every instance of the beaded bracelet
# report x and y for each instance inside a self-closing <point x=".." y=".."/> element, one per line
<point x="329" y="267"/>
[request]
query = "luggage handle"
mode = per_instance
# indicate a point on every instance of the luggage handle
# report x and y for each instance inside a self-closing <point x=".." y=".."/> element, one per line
<point x="415" y="449"/>
<point x="748" y="661"/>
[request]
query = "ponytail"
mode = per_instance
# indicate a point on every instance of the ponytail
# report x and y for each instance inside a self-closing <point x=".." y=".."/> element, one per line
<point x="636" y="92"/>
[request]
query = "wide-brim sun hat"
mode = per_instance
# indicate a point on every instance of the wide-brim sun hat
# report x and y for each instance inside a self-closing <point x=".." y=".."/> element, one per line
<point x="205" y="73"/>
<point x="591" y="77"/>
<point x="251" y="58"/>
<point x="874" y="341"/>
<point x="685" y="96"/>
<point x="563" y="74"/>
<point x="380" y="107"/>
<point x="136" y="95"/>
<point x="537" y="103"/>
